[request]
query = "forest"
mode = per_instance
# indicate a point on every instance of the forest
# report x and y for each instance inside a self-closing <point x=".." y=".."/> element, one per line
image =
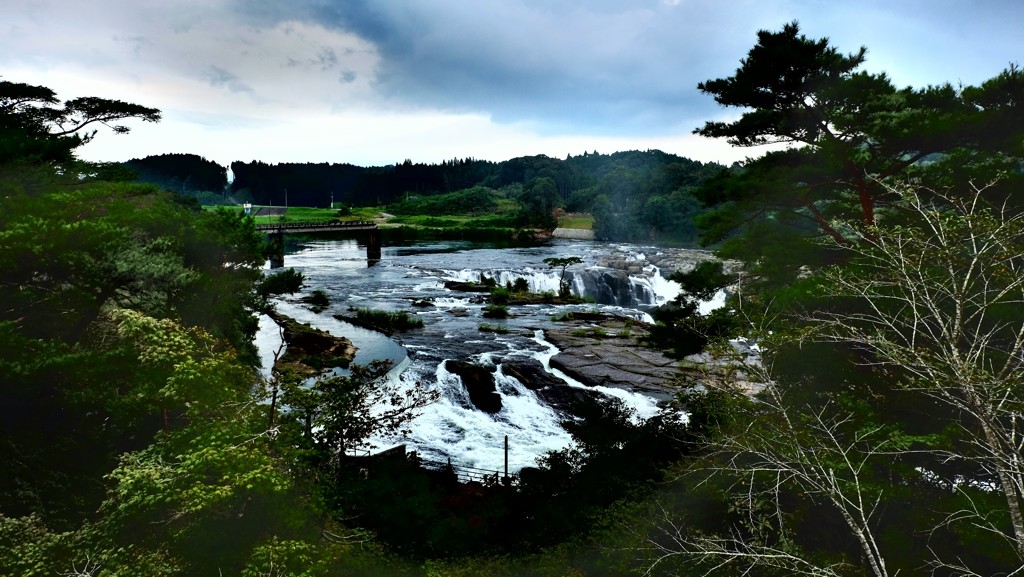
<point x="634" y="195"/>
<point x="880" y="433"/>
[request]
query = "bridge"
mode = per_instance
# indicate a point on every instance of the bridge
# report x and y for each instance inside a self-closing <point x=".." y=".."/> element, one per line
<point x="289" y="227"/>
<point x="275" y="233"/>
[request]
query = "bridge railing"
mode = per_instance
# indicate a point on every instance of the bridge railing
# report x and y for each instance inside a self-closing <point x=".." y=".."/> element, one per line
<point x="324" y="224"/>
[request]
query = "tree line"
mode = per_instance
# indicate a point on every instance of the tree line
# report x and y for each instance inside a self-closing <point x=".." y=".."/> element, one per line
<point x="634" y="195"/>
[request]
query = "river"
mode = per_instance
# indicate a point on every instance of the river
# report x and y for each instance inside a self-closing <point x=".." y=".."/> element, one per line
<point x="453" y="428"/>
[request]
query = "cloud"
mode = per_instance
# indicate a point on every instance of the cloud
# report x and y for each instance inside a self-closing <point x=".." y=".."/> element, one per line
<point x="602" y="67"/>
<point x="567" y="72"/>
<point x="220" y="77"/>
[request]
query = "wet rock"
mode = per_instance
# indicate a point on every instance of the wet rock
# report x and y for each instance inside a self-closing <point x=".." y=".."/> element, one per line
<point x="479" y="383"/>
<point x="609" y="355"/>
<point x="462" y="286"/>
<point x="610" y="286"/>
<point x="552" y="390"/>
<point x="310" y="351"/>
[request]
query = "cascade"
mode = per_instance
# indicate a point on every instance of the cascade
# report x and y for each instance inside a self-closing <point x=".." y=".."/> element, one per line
<point x="603" y="285"/>
<point x="453" y="427"/>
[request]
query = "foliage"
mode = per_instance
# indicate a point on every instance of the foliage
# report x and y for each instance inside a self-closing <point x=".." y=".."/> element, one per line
<point x="500" y="295"/>
<point x="849" y="134"/>
<point x="520" y="285"/>
<point x="36" y="127"/>
<point x="339" y="414"/>
<point x="613" y="455"/>
<point x="520" y="192"/>
<point x="495" y="311"/>
<point x="472" y="201"/>
<point x="645" y="198"/>
<point x="910" y="456"/>
<point x="72" y="253"/>
<point x="679" y="327"/>
<point x="941" y="311"/>
<point x="287" y="281"/>
<point x="319" y="299"/>
<point x="489" y="328"/>
<point x="386" y="321"/>
<point x="186" y="174"/>
<point x="538" y="200"/>
<point x="564" y="286"/>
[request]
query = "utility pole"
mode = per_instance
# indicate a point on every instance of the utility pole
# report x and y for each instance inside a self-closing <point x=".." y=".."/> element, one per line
<point x="507" y="480"/>
<point x="286" y="198"/>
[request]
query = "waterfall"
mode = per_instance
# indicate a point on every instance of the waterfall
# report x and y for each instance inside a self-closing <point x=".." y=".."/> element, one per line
<point x="603" y="285"/>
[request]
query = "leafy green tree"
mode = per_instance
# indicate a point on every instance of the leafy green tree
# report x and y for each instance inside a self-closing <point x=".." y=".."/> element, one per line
<point x="671" y="217"/>
<point x="564" y="286"/>
<point x="679" y="327"/>
<point x="186" y="174"/>
<point x="71" y="255"/>
<point x="612" y="454"/>
<point x="337" y="415"/>
<point x="208" y="489"/>
<point x="286" y="281"/>
<point x="539" y="199"/>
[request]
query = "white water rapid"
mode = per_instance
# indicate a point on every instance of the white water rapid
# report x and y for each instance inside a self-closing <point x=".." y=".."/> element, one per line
<point x="453" y="427"/>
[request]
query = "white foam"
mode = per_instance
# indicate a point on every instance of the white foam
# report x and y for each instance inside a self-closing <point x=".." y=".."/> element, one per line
<point x="454" y="427"/>
<point x="269" y="341"/>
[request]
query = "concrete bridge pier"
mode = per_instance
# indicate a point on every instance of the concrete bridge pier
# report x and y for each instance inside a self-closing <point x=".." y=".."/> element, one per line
<point x="275" y="237"/>
<point x="373" y="250"/>
<point x="275" y="249"/>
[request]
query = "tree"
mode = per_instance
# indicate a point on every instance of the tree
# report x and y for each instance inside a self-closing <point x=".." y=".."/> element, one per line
<point x="943" y="310"/>
<point x="679" y="326"/>
<point x="72" y="253"/>
<point x="564" y="286"/>
<point x="848" y="133"/>
<point x="932" y="307"/>
<point x="208" y="489"/>
<point x="36" y="127"/>
<point x="786" y="463"/>
<point x="339" y="414"/>
<point x="538" y="199"/>
<point x="186" y="174"/>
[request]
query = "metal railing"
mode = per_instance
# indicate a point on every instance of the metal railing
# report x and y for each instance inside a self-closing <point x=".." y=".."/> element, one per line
<point x="322" y="224"/>
<point x="466" y="474"/>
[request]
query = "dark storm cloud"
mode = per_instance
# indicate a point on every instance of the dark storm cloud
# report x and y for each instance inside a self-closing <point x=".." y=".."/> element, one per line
<point x="588" y="66"/>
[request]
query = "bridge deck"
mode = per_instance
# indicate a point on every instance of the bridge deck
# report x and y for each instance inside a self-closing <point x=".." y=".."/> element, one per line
<point x="323" y="226"/>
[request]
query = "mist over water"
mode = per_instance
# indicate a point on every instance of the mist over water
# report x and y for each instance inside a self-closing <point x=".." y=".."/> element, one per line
<point x="453" y="428"/>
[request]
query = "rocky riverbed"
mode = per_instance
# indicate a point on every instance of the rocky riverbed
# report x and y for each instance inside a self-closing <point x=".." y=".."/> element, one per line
<point x="309" y="351"/>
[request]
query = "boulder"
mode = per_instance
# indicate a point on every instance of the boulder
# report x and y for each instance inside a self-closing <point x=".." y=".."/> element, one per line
<point x="596" y="356"/>
<point x="310" y="351"/>
<point x="479" y="383"/>
<point x="550" y="389"/>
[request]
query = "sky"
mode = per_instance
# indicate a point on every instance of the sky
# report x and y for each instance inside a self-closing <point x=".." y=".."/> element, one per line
<point x="374" y="83"/>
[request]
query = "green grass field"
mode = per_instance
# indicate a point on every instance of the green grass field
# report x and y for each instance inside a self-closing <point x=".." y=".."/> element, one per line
<point x="577" y="221"/>
<point x="309" y="214"/>
<point x="502" y="219"/>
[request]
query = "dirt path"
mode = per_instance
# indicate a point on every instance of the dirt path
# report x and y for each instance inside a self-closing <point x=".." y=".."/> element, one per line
<point x="270" y="211"/>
